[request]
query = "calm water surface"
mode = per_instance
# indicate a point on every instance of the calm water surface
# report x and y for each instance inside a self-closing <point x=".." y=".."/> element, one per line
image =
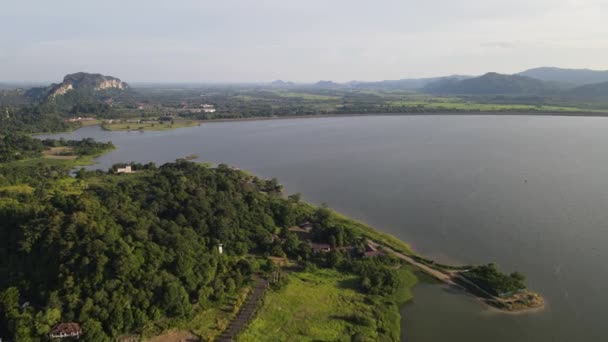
<point x="528" y="192"/>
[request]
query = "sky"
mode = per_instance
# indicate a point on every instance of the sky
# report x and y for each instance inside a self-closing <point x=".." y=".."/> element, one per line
<point x="303" y="41"/>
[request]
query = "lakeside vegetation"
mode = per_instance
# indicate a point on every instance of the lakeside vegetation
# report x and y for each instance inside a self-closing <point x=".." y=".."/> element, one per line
<point x="328" y="305"/>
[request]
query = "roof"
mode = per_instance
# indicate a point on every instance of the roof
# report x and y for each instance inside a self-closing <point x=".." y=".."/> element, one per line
<point x="296" y="229"/>
<point x="69" y="328"/>
<point x="305" y="225"/>
<point x="319" y="246"/>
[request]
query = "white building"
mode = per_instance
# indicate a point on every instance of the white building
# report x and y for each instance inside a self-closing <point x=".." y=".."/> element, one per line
<point x="208" y="108"/>
<point x="126" y="169"/>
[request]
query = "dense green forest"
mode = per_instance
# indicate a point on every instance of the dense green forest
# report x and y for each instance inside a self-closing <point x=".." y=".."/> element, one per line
<point x="125" y="250"/>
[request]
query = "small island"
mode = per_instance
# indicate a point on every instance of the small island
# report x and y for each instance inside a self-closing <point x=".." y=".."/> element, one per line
<point x="506" y="292"/>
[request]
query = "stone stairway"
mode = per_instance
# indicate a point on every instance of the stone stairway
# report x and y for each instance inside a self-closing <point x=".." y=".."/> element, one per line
<point x="247" y="311"/>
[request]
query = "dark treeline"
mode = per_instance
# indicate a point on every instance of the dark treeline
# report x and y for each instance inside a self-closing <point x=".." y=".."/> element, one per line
<point x="19" y="146"/>
<point x="84" y="147"/>
<point x="32" y="119"/>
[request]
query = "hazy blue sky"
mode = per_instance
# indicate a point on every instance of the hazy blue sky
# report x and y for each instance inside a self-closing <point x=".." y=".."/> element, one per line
<point x="307" y="40"/>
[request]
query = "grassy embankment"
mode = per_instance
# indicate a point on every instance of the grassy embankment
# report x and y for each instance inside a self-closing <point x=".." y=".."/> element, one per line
<point x="90" y="122"/>
<point x="158" y="126"/>
<point x="326" y="305"/>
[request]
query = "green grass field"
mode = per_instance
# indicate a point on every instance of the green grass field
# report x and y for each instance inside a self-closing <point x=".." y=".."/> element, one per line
<point x="454" y="104"/>
<point x="324" y="305"/>
<point x="400" y="99"/>
<point x="68" y="162"/>
<point x="20" y="188"/>
<point x="307" y="96"/>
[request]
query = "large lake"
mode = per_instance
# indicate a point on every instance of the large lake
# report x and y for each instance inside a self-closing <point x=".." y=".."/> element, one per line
<point x="528" y="192"/>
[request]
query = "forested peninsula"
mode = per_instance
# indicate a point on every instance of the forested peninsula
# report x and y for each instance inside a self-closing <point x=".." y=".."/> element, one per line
<point x="139" y="254"/>
<point x="118" y="252"/>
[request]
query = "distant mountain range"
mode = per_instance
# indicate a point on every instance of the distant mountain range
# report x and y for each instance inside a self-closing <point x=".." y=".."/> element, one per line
<point x="406" y="83"/>
<point x="490" y="84"/>
<point x="328" y="84"/>
<point x="597" y="90"/>
<point x="574" y="77"/>
<point x="538" y="81"/>
<point x="282" y="83"/>
<point x="551" y="81"/>
<point x="545" y="81"/>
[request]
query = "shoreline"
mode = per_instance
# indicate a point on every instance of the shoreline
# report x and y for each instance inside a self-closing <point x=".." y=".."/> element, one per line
<point x="434" y="113"/>
<point x="320" y="116"/>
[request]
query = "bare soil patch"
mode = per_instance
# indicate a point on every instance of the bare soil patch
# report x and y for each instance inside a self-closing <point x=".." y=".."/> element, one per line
<point x="176" y="336"/>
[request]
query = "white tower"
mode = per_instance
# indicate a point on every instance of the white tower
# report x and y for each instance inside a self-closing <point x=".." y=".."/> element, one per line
<point x="220" y="249"/>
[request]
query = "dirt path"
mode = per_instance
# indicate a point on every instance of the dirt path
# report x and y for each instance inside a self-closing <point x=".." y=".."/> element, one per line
<point x="247" y="311"/>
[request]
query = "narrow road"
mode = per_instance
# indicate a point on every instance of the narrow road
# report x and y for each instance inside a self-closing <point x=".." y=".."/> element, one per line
<point x="444" y="277"/>
<point x="247" y="311"/>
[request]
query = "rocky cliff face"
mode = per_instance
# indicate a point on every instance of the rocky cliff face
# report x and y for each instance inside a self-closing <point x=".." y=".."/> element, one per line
<point x="87" y="82"/>
<point x="62" y="89"/>
<point x="111" y="83"/>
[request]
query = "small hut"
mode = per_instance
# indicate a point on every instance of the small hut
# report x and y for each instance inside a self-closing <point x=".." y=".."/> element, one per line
<point x="66" y="330"/>
<point x="320" y="247"/>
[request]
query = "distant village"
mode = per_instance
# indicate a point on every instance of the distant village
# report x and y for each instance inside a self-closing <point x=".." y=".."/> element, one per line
<point x="168" y="116"/>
